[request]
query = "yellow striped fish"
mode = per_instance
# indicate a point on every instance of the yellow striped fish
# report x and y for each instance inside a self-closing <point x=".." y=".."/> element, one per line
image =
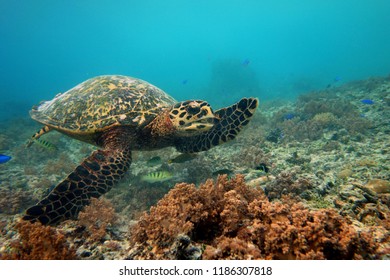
<point x="159" y="176"/>
<point x="45" y="144"/>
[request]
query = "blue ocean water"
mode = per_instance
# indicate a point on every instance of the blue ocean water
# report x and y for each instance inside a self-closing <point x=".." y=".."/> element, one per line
<point x="217" y="50"/>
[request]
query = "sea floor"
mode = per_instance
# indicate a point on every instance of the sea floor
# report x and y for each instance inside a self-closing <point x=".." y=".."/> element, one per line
<point x="323" y="159"/>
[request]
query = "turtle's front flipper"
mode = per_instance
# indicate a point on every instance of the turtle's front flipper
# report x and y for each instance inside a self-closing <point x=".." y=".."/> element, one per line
<point x="230" y="122"/>
<point x="92" y="178"/>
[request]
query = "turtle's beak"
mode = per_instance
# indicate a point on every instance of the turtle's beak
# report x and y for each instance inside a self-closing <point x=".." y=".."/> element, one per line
<point x="200" y="125"/>
<point x="203" y="121"/>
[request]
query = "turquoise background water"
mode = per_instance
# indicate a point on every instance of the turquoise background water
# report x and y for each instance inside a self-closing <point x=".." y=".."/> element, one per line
<point x="190" y="49"/>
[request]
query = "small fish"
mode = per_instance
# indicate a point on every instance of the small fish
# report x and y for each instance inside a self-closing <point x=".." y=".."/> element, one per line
<point x="4" y="158"/>
<point x="367" y="101"/>
<point x="262" y="167"/>
<point x="223" y="171"/>
<point x="156" y="177"/>
<point x="45" y="144"/>
<point x="337" y="79"/>
<point x="245" y="62"/>
<point x="288" y="116"/>
<point x="182" y="158"/>
<point x="154" y="161"/>
<point x="184" y="82"/>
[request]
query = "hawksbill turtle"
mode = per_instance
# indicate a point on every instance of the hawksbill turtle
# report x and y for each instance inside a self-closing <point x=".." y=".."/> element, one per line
<point x="119" y="114"/>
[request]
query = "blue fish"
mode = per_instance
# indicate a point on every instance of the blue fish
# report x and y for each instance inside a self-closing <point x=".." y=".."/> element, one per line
<point x="288" y="116"/>
<point x="4" y="158"/>
<point x="184" y="82"/>
<point x="367" y="101"/>
<point x="336" y="79"/>
<point x="245" y="62"/>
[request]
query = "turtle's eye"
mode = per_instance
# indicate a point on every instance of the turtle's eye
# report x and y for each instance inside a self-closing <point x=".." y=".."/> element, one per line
<point x="193" y="110"/>
<point x="203" y="112"/>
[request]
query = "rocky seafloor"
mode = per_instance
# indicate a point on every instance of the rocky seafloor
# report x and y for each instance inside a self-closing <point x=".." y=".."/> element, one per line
<point x="308" y="179"/>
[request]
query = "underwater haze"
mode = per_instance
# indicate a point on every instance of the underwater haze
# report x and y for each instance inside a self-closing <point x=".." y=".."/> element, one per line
<point x="311" y="159"/>
<point x="215" y="50"/>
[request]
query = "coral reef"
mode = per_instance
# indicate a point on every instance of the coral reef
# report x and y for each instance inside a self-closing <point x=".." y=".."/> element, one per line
<point x="378" y="186"/>
<point x="317" y="172"/>
<point x="13" y="201"/>
<point x="368" y="203"/>
<point x="251" y="157"/>
<point x="95" y="234"/>
<point x="234" y="221"/>
<point x="97" y="217"/>
<point x="132" y="197"/>
<point x="38" y="242"/>
<point x="287" y="183"/>
<point x="5" y="143"/>
<point x="315" y="114"/>
<point x="61" y="165"/>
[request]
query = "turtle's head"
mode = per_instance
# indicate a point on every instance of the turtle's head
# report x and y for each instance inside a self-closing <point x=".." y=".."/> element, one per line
<point x="192" y="117"/>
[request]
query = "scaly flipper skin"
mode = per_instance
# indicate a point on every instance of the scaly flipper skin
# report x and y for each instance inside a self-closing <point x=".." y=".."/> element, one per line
<point x="230" y="122"/>
<point x="92" y="178"/>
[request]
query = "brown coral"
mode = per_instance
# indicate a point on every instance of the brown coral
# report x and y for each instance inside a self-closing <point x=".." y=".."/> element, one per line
<point x="289" y="231"/>
<point x="97" y="217"/>
<point x="232" y="221"/>
<point x="38" y="242"/>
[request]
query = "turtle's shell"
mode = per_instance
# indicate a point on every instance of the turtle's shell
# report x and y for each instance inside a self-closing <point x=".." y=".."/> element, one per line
<point x="103" y="102"/>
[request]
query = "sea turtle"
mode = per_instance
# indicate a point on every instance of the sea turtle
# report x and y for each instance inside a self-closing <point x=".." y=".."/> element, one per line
<point x="119" y="114"/>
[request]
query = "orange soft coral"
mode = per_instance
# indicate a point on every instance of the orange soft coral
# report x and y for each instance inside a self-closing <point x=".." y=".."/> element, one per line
<point x="228" y="220"/>
<point x="38" y="242"/>
<point x="96" y="217"/>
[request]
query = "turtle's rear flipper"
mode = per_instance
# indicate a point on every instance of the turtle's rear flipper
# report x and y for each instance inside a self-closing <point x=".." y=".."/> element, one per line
<point x="230" y="122"/>
<point x="92" y="178"/>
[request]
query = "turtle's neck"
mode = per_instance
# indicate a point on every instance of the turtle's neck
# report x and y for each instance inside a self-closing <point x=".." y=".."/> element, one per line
<point x="157" y="134"/>
<point x="117" y="137"/>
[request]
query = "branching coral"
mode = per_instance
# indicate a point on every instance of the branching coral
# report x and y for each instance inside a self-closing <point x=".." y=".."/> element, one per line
<point x="38" y="242"/>
<point x="289" y="231"/>
<point x="96" y="217"/>
<point x="232" y="221"/>
<point x="189" y="211"/>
